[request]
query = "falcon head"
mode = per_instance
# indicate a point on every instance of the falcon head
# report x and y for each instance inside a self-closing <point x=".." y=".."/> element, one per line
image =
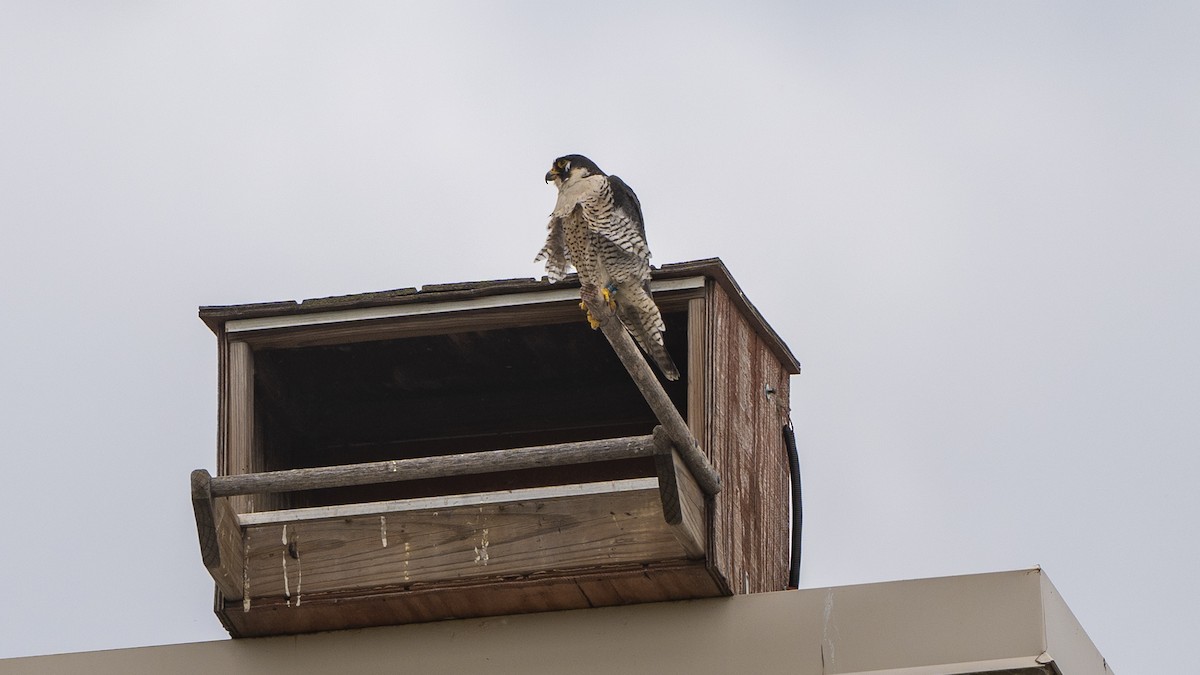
<point x="571" y="167"/>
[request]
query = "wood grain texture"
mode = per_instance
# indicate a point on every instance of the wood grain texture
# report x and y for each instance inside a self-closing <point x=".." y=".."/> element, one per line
<point x="221" y="544"/>
<point x="222" y="404"/>
<point x="418" y="468"/>
<point x="325" y="314"/>
<point x="771" y="416"/>
<point x="577" y="589"/>
<point x="698" y="368"/>
<point x="668" y="484"/>
<point x="393" y="507"/>
<point x="712" y="268"/>
<point x="240" y="456"/>
<point x="749" y="520"/>
<point x="436" y="323"/>
<point x="217" y="316"/>
<point x="692" y="529"/>
<point x="487" y="540"/>
<point x="682" y="499"/>
<point x="655" y="583"/>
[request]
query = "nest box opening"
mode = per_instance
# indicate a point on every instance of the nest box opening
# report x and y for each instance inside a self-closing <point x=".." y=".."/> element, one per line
<point x="449" y="393"/>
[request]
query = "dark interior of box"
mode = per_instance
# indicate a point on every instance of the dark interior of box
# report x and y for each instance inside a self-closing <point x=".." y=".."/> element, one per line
<point x="453" y="393"/>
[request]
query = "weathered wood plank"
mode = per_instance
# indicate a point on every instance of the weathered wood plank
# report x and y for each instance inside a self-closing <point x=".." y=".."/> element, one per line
<point x="698" y="369"/>
<point x="436" y="323"/>
<point x="712" y="269"/>
<point x="718" y="428"/>
<point x="240" y="457"/>
<point x="488" y="540"/>
<point x="771" y="418"/>
<point x="664" y="467"/>
<point x="417" y="468"/>
<point x="443" y="502"/>
<point x="692" y="530"/>
<point x="740" y="410"/>
<point x="749" y="516"/>
<point x="656" y="583"/>
<point x="221" y="546"/>
<point x="576" y="589"/>
<point x="506" y="302"/>
<point x="736" y="399"/>
<point x="342" y="316"/>
<point x="682" y="499"/>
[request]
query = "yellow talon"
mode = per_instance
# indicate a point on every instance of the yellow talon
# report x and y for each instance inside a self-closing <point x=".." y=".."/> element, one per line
<point x="608" y="297"/>
<point x="591" y="319"/>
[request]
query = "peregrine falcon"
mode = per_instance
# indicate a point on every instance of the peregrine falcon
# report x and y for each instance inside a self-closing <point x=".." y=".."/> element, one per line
<point x="597" y="227"/>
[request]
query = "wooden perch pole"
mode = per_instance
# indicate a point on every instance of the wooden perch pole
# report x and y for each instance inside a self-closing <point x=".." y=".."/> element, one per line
<point x="652" y="390"/>
<point x="394" y="471"/>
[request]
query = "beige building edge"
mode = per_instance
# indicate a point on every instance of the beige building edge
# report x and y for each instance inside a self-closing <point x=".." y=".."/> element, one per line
<point x="1005" y="622"/>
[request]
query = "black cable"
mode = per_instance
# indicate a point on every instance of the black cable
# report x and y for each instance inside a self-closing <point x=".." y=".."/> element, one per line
<point x="789" y="438"/>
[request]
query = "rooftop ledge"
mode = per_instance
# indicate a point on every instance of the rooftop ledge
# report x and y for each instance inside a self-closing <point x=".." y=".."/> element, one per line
<point x="1005" y="622"/>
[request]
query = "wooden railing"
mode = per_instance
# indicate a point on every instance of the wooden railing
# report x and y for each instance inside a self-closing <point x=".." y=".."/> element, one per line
<point x="220" y="529"/>
<point x="441" y="466"/>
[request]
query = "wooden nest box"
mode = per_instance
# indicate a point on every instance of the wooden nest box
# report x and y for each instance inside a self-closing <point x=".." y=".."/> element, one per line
<point x="475" y="449"/>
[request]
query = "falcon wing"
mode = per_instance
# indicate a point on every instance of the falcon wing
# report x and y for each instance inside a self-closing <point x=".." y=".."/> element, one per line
<point x="627" y="204"/>
<point x="555" y="251"/>
<point x="623" y="226"/>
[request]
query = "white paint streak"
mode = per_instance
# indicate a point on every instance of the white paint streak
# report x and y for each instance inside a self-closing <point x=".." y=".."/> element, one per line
<point x="245" y="574"/>
<point x="299" y="571"/>
<point x="286" y="594"/>
<point x="383" y="530"/>
<point x="283" y="558"/>
<point x="481" y="551"/>
<point x="407" y="553"/>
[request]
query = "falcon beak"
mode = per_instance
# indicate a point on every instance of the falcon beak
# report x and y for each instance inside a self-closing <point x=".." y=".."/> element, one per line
<point x="551" y="175"/>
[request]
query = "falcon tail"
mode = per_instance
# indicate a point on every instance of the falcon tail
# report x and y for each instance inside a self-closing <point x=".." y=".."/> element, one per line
<point x="645" y="324"/>
<point x="663" y="360"/>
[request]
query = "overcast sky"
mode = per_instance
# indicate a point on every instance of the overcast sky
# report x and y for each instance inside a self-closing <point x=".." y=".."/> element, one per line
<point x="976" y="224"/>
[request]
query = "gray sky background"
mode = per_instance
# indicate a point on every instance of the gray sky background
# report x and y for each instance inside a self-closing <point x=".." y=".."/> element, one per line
<point x="976" y="224"/>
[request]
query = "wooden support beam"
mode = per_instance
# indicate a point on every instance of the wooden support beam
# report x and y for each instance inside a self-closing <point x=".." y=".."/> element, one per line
<point x="674" y="424"/>
<point x="240" y="456"/>
<point x="221" y="545"/>
<point x="682" y="501"/>
<point x="668" y="484"/>
<point x="392" y="471"/>
<point x="698" y="388"/>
